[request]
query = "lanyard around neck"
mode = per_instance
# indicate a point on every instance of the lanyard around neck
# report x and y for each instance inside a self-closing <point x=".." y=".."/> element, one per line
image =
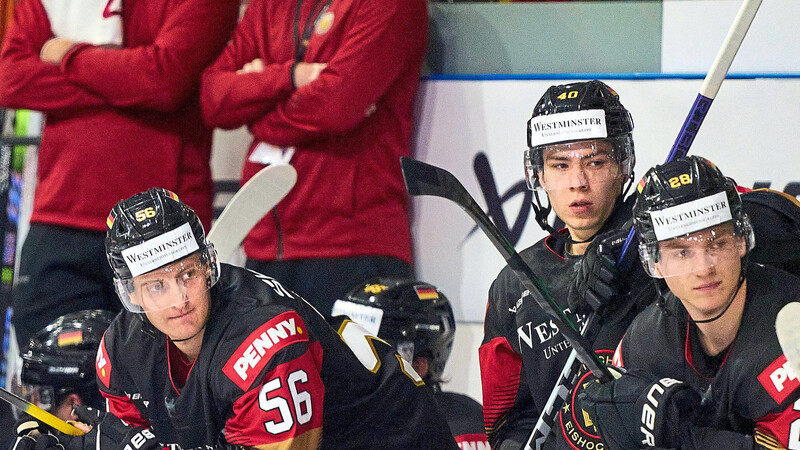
<point x="301" y="40"/>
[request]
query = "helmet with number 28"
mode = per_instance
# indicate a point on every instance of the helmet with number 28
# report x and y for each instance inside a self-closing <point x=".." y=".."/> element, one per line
<point x="688" y="215"/>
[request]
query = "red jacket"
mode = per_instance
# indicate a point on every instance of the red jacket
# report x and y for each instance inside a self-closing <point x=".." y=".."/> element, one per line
<point x="350" y="126"/>
<point x="119" y="121"/>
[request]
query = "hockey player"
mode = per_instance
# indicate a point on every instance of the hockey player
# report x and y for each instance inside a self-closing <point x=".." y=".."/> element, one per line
<point x="58" y="370"/>
<point x="417" y="320"/>
<point x="712" y="333"/>
<point x="581" y="157"/>
<point x="207" y="354"/>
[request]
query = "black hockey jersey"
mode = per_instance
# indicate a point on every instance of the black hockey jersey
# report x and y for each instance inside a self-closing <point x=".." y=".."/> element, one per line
<point x="776" y="223"/>
<point x="465" y="418"/>
<point x="271" y="370"/>
<point x="523" y="353"/>
<point x="754" y="388"/>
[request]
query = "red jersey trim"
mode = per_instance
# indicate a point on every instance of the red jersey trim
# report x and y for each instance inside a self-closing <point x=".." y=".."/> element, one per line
<point x="102" y="364"/>
<point x="774" y="431"/>
<point x="500" y="371"/>
<point x="124" y="409"/>
<point x="616" y="360"/>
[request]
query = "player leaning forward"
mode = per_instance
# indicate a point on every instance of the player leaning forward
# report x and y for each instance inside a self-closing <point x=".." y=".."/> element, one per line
<point x="210" y="354"/>
<point x="714" y="330"/>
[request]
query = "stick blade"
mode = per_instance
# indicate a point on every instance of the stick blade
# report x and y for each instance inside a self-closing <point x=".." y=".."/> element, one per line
<point x="424" y="179"/>
<point x="250" y="204"/>
<point x="38" y="413"/>
<point x="787" y="326"/>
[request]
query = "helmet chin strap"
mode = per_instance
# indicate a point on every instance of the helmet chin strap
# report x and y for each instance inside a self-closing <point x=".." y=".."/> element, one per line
<point x="573" y="241"/>
<point x="541" y="212"/>
<point x="192" y="336"/>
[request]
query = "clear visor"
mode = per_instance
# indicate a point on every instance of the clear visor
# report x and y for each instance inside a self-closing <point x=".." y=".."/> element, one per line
<point x="42" y="396"/>
<point x="406" y="350"/>
<point x="695" y="252"/>
<point x="584" y="163"/>
<point x="166" y="287"/>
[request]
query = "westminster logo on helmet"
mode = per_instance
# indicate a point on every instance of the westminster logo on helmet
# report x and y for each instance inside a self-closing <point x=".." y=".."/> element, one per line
<point x="163" y="249"/>
<point x="568" y="126"/>
<point x="691" y="216"/>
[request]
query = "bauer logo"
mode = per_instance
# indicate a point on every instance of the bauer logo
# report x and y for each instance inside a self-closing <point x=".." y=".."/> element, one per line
<point x="103" y="364"/>
<point x="779" y="379"/>
<point x="164" y="249"/>
<point x="574" y="125"/>
<point x="650" y="410"/>
<point x="256" y="351"/>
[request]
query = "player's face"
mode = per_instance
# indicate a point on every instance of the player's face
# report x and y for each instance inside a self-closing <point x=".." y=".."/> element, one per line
<point x="702" y="269"/>
<point x="176" y="298"/>
<point x="582" y="181"/>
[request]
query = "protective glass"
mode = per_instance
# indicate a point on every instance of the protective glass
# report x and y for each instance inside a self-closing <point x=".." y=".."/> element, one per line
<point x="42" y="396"/>
<point x="406" y="350"/>
<point x="695" y="252"/>
<point x="583" y="163"/>
<point x="167" y="287"/>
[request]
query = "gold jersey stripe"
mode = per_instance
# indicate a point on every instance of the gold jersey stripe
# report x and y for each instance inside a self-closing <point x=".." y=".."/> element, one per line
<point x="309" y="439"/>
<point x="767" y="441"/>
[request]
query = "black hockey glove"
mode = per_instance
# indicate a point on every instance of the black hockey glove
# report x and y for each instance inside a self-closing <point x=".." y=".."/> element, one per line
<point x="111" y="432"/>
<point x="597" y="279"/>
<point x="32" y="435"/>
<point x="637" y="411"/>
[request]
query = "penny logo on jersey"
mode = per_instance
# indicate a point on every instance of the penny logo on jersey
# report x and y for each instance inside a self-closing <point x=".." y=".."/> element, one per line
<point x="257" y="349"/>
<point x="779" y="379"/>
<point x="576" y="426"/>
<point x="102" y="364"/>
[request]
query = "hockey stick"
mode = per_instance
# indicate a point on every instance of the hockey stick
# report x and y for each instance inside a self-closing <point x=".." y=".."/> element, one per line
<point x="787" y="326"/>
<point x="38" y="413"/>
<point x="425" y="179"/>
<point x="711" y="84"/>
<point x="250" y="203"/>
<point x="248" y="206"/>
<point x="686" y="135"/>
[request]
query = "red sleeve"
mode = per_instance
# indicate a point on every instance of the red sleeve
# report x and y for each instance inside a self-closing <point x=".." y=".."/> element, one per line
<point x="25" y="80"/>
<point x="230" y="100"/>
<point x="286" y="408"/>
<point x="162" y="75"/>
<point x="122" y="407"/>
<point x="377" y="49"/>
<point x="784" y="426"/>
<point x="501" y="367"/>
